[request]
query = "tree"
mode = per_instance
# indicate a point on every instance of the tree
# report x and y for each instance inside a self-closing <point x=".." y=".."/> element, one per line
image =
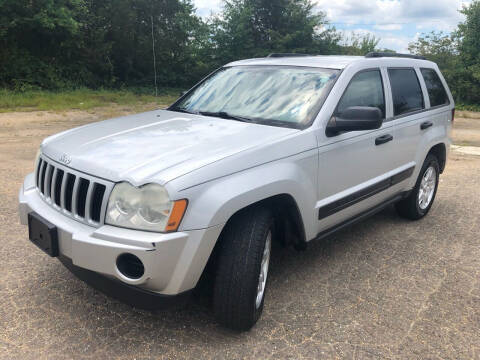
<point x="37" y="38"/>
<point x="442" y="49"/>
<point x="56" y="44"/>
<point x="254" y="28"/>
<point x="468" y="73"/>
<point x="357" y="44"/>
<point x="457" y="54"/>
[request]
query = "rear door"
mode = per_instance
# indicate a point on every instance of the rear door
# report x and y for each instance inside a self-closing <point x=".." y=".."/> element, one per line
<point x="420" y="113"/>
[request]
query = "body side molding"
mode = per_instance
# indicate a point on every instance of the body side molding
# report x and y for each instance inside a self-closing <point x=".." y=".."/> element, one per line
<point x="352" y="199"/>
<point x="357" y="218"/>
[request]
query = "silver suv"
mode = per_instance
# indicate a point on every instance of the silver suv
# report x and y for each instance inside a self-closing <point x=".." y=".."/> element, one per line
<point x="281" y="149"/>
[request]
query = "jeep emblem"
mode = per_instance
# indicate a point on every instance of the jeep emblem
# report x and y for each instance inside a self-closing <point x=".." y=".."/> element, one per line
<point x="65" y="159"/>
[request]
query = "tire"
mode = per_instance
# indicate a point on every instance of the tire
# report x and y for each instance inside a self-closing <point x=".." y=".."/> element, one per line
<point x="413" y="207"/>
<point x="236" y="302"/>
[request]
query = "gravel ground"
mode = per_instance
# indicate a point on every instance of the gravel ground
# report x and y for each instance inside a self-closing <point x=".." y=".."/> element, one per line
<point x="385" y="288"/>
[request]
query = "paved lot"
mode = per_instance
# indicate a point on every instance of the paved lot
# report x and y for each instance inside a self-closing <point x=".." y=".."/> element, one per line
<point x="386" y="288"/>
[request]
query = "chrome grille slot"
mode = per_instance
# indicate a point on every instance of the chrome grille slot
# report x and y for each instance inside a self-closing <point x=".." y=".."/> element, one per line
<point x="75" y="194"/>
<point x="42" y="177"/>
<point x="97" y="198"/>
<point x="82" y="190"/>
<point x="68" y="194"/>
<point x="48" y="180"/>
<point x="38" y="171"/>
<point x="57" y="191"/>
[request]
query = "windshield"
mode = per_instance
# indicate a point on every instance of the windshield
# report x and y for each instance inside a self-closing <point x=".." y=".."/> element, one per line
<point x="270" y="95"/>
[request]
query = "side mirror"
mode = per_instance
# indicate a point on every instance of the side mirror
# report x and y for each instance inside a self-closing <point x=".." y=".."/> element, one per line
<point x="355" y="118"/>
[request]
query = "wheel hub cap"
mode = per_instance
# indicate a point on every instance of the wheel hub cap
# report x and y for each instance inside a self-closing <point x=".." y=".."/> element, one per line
<point x="262" y="278"/>
<point x="427" y="188"/>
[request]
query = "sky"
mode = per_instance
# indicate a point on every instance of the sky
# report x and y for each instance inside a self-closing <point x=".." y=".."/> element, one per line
<point x="396" y="22"/>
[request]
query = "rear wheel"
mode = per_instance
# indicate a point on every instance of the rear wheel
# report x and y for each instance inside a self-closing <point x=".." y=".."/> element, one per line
<point x="420" y="200"/>
<point x="242" y="269"/>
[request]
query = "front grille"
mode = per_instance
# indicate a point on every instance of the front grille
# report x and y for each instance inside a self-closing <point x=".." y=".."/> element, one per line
<point x="73" y="193"/>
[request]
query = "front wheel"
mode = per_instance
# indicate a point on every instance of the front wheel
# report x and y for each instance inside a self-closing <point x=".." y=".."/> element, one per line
<point x="242" y="269"/>
<point x="420" y="200"/>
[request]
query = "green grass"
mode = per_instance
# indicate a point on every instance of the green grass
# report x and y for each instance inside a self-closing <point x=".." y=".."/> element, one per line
<point x="81" y="99"/>
<point x="85" y="99"/>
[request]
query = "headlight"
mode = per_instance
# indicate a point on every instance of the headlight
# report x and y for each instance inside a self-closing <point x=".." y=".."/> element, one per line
<point x="144" y="208"/>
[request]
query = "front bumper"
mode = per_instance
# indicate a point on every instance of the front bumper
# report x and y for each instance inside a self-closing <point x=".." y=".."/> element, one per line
<point x="173" y="262"/>
<point x="131" y="295"/>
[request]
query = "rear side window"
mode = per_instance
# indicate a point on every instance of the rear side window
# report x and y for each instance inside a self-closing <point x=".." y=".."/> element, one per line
<point x="365" y="89"/>
<point x="436" y="92"/>
<point x="406" y="91"/>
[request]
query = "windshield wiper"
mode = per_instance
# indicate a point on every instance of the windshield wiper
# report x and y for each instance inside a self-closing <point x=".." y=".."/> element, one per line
<point x="225" y="115"/>
<point x="177" y="109"/>
<point x="219" y="114"/>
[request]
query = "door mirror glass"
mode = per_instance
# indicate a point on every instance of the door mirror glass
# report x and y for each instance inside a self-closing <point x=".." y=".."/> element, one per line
<point x="355" y="118"/>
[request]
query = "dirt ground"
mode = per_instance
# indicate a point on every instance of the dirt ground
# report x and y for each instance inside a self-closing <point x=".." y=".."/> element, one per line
<point x="385" y="288"/>
<point x="466" y="130"/>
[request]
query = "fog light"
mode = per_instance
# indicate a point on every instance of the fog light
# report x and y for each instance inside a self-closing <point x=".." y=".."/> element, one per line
<point x="130" y="266"/>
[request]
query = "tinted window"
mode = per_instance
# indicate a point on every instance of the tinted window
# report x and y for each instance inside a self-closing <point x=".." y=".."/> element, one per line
<point x="365" y="89"/>
<point x="406" y="91"/>
<point x="436" y="91"/>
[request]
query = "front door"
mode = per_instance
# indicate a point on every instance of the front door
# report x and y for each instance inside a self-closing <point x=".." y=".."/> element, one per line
<point x="356" y="168"/>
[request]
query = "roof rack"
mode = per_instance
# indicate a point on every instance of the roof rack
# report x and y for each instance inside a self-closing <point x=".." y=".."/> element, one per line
<point x="280" y="55"/>
<point x="389" y="54"/>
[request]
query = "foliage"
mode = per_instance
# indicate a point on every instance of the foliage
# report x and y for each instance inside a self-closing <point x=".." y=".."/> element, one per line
<point x="467" y="107"/>
<point x="442" y="49"/>
<point x="457" y="55"/>
<point x="356" y="44"/>
<point x="256" y="28"/>
<point x="56" y="44"/>
<point x="68" y="44"/>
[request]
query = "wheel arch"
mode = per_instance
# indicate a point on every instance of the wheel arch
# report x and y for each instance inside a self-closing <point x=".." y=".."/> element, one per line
<point x="440" y="152"/>
<point x="289" y="230"/>
<point x="289" y="225"/>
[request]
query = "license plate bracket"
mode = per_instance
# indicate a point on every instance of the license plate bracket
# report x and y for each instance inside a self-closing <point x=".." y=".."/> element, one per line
<point x="43" y="234"/>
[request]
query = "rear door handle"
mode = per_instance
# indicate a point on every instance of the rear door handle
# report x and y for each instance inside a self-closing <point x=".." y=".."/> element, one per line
<point x="426" y="125"/>
<point x="383" y="139"/>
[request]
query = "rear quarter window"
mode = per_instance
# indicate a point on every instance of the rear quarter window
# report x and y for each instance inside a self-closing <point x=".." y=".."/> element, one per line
<point x="436" y="91"/>
<point x="406" y="91"/>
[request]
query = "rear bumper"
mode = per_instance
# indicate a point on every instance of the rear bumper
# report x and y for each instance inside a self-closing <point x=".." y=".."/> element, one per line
<point x="173" y="262"/>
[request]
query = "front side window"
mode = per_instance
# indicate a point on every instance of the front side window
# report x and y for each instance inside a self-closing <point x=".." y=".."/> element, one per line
<point x="271" y="95"/>
<point x="436" y="91"/>
<point x="365" y="89"/>
<point x="406" y="91"/>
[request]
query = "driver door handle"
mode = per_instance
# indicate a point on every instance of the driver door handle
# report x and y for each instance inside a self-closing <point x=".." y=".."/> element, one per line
<point x="383" y="139"/>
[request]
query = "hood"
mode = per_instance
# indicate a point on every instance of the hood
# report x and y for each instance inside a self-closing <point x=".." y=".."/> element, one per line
<point x="138" y="148"/>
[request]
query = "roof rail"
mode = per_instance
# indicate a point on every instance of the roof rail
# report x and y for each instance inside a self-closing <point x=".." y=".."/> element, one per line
<point x="389" y="54"/>
<point x="280" y="55"/>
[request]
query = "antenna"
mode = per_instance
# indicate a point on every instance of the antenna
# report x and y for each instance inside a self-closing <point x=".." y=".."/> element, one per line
<point x="154" y="60"/>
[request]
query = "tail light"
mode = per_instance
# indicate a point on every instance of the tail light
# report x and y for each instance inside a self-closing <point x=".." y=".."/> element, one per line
<point x="453" y="115"/>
